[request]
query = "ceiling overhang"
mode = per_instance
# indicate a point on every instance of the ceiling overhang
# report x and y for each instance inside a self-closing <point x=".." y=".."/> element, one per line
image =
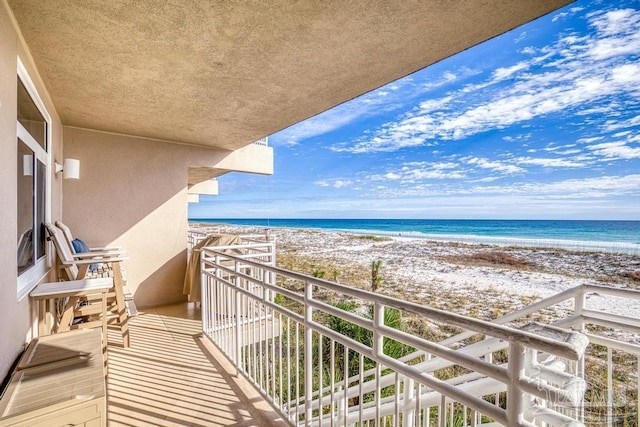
<point x="223" y="74"/>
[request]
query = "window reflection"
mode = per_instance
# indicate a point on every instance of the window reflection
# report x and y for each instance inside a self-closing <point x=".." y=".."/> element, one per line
<point x="30" y="117"/>
<point x="25" y="207"/>
<point x="40" y="195"/>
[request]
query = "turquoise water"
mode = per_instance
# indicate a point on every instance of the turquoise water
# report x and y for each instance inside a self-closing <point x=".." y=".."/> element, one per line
<point x="608" y="236"/>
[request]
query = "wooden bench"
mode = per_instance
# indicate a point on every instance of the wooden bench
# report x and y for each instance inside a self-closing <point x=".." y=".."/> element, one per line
<point x="60" y="380"/>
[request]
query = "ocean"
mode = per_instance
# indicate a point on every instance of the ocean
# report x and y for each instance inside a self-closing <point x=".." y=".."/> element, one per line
<point x="605" y="236"/>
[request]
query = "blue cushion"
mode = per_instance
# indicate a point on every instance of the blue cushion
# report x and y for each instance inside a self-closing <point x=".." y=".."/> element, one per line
<point x="80" y="247"/>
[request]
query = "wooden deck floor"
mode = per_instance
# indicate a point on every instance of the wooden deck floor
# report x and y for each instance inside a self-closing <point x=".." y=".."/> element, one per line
<point x="171" y="376"/>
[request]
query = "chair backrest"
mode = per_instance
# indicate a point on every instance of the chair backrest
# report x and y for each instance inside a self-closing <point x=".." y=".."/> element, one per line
<point x="63" y="249"/>
<point x="66" y="231"/>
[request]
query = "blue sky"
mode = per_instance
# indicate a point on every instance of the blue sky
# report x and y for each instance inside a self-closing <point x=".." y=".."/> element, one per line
<point x="540" y="123"/>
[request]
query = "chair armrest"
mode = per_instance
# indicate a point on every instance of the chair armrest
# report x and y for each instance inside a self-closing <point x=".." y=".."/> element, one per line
<point x="83" y="255"/>
<point x="107" y="249"/>
<point x="94" y="261"/>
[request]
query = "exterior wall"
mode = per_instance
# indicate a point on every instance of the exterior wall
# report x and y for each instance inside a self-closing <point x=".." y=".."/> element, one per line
<point x="132" y="193"/>
<point x="17" y="318"/>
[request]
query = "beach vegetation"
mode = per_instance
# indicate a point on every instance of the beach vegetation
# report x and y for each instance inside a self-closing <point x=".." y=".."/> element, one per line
<point x="335" y="273"/>
<point x="491" y="258"/>
<point x="319" y="274"/>
<point x="376" y="279"/>
<point x="372" y="238"/>
<point x="290" y="347"/>
<point x="633" y="275"/>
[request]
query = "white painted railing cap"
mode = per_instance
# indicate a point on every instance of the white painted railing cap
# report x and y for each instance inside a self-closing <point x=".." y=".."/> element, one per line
<point x="576" y="340"/>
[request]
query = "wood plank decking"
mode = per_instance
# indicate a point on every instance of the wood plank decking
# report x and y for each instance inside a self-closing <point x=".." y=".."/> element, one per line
<point x="171" y="376"/>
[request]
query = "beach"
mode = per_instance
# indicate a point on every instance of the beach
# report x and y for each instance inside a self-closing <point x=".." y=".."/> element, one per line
<point x="480" y="280"/>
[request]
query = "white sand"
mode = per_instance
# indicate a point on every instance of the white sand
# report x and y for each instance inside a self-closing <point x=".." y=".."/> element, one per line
<point x="416" y="266"/>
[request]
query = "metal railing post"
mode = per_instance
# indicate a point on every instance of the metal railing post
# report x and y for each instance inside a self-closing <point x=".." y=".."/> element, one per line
<point x="578" y="309"/>
<point x="378" y="349"/>
<point x="515" y="395"/>
<point x="237" y="297"/>
<point x="409" y="406"/>
<point x="579" y="305"/>
<point x="308" y="353"/>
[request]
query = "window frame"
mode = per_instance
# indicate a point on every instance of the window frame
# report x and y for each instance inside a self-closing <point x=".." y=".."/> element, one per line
<point x="29" y="278"/>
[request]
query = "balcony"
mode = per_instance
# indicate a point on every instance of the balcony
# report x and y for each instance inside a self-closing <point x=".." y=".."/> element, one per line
<point x="325" y="354"/>
<point x="273" y="347"/>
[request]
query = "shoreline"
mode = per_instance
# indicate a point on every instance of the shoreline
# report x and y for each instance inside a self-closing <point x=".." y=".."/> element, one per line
<point x="453" y="275"/>
<point x="614" y="247"/>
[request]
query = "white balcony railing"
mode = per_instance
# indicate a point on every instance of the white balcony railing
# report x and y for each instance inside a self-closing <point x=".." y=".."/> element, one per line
<point x="199" y="231"/>
<point x="262" y="141"/>
<point x="321" y="364"/>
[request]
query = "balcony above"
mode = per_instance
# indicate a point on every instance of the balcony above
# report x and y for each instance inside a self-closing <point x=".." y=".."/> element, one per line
<point x="253" y="158"/>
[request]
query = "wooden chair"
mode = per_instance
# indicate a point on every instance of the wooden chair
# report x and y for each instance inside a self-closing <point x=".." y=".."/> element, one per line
<point x="103" y="269"/>
<point x="88" y="309"/>
<point x="68" y="235"/>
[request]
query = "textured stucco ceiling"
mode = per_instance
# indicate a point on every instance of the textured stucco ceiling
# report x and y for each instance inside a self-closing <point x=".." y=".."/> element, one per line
<point x="225" y="73"/>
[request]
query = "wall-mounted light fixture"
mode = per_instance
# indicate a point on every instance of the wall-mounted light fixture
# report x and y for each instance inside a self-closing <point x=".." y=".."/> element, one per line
<point x="70" y="169"/>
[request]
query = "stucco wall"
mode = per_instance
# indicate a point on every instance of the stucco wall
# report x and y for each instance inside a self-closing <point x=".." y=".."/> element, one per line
<point x="132" y="192"/>
<point x="17" y="318"/>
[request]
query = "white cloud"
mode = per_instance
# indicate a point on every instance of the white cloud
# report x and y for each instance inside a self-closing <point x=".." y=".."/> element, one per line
<point x="557" y="148"/>
<point x="559" y="16"/>
<point x="517" y="138"/>
<point x="434" y="104"/>
<point x="334" y="183"/>
<point x="493" y="165"/>
<point x="342" y="183"/>
<point x="612" y="125"/>
<point x="392" y="176"/>
<point x="619" y="36"/>
<point x="579" y="188"/>
<point x="446" y="78"/>
<point x="621" y="134"/>
<point x="616" y="150"/>
<point x="615" y="22"/>
<point x="591" y="139"/>
<point x="626" y="74"/>
<point x="521" y="37"/>
<point x="382" y="100"/>
<point x="415" y="172"/>
<point x="596" y="110"/>
<point x="568" y="152"/>
<point x="503" y="73"/>
<point x="580" y="74"/>
<point x="589" y="187"/>
<point x="563" y="190"/>
<point x="550" y="162"/>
